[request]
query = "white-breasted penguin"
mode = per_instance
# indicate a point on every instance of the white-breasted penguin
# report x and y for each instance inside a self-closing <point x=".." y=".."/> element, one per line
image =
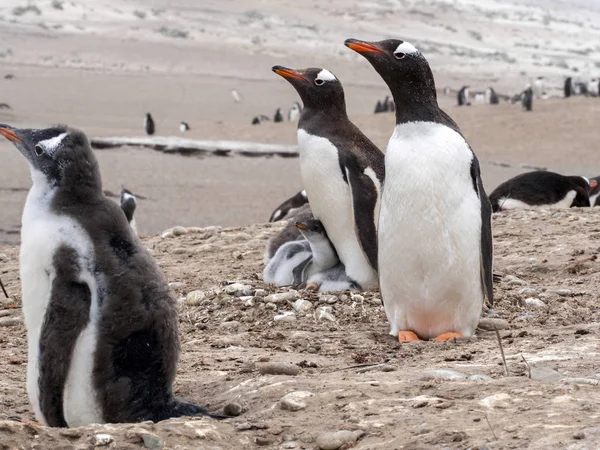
<point x="128" y="205"/>
<point x="541" y="190"/>
<point x="435" y="256"/>
<point x="538" y="87"/>
<point x="463" y="96"/>
<point x="149" y="124"/>
<point x="294" y="112"/>
<point x="102" y="326"/>
<point x="183" y="127"/>
<point x="342" y="171"/>
<point x="289" y="206"/>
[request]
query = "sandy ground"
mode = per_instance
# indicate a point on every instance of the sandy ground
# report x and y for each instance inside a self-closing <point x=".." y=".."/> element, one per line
<point x="424" y="395"/>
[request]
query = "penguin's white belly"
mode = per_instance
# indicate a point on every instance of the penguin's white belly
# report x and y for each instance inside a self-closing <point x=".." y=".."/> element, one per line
<point x="331" y="202"/>
<point x="430" y="233"/>
<point x="512" y="203"/>
<point x="280" y="269"/>
<point x="42" y="234"/>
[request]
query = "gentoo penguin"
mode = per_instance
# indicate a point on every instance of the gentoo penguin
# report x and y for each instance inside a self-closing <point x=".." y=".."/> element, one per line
<point x="342" y="171"/>
<point x="289" y="232"/>
<point x="491" y="96"/>
<point x="527" y="99"/>
<point x="541" y="189"/>
<point x="581" y="89"/>
<point x="593" y="87"/>
<point x="538" y="87"/>
<point x="236" y="96"/>
<point x="183" y="127"/>
<point x="288" y="264"/>
<point x="278" y="115"/>
<point x="289" y="206"/>
<point x="568" y="88"/>
<point x="379" y="107"/>
<point x="128" y="205"/>
<point x="259" y="119"/>
<point x="294" y="112"/>
<point x="463" y="96"/>
<point x="386" y="104"/>
<point x="101" y="322"/>
<point x="595" y="191"/>
<point x="149" y="124"/>
<point x="479" y="98"/>
<point x="435" y="256"/>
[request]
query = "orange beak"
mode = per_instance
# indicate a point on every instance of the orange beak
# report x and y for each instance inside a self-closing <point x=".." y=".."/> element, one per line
<point x="10" y="135"/>
<point x="361" y="46"/>
<point x="593" y="184"/>
<point x="301" y="226"/>
<point x="287" y="73"/>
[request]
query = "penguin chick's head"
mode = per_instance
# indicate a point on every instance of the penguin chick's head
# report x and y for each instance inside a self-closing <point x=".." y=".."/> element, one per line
<point x="318" y="88"/>
<point x="311" y="229"/>
<point x="399" y="63"/>
<point x="128" y="204"/>
<point x="61" y="157"/>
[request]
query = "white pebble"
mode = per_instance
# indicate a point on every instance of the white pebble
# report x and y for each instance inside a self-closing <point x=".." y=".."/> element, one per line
<point x="535" y="302"/>
<point x="285" y="317"/>
<point x="294" y="401"/>
<point x="102" y="439"/>
<point x="302" y="305"/>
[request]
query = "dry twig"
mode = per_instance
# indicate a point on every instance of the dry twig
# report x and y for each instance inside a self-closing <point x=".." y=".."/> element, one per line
<point x="501" y="350"/>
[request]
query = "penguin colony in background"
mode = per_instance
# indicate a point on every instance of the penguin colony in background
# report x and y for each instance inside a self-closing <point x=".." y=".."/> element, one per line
<point x="101" y="322"/>
<point x="292" y="116"/>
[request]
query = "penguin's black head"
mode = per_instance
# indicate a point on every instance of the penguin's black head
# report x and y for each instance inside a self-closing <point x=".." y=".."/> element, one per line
<point x="311" y="227"/>
<point x="318" y="88"/>
<point x="404" y="69"/>
<point x="60" y="157"/>
<point x="128" y="203"/>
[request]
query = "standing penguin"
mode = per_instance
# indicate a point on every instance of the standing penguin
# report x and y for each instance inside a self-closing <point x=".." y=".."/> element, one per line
<point x="463" y="96"/>
<point x="128" y="205"/>
<point x="527" y="99"/>
<point x="101" y="322"/>
<point x="435" y="239"/>
<point x="183" y="127"/>
<point x="278" y="115"/>
<point x="294" y="112"/>
<point x="491" y="96"/>
<point x="149" y="124"/>
<point x="342" y="171"/>
<point x="594" y="193"/>
<point x="568" y="88"/>
<point x="378" y="107"/>
<point x="538" y="87"/>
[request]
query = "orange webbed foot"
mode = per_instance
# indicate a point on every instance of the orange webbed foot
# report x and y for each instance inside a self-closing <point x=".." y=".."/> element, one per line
<point x="448" y="336"/>
<point x="312" y="286"/>
<point x="407" y="336"/>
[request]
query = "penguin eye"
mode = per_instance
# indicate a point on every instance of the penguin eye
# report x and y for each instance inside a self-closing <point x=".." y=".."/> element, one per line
<point x="39" y="150"/>
<point x="319" y="82"/>
<point x="399" y="55"/>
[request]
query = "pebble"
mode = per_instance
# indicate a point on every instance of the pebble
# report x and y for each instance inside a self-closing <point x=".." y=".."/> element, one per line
<point x="442" y="374"/>
<point x="261" y="440"/>
<point x="562" y="292"/>
<point x="152" y="442"/>
<point x="167" y="234"/>
<point x="528" y="291"/>
<point x="243" y="426"/>
<point x="176" y="285"/>
<point x="490" y="324"/>
<point x="535" y="302"/>
<point x="294" y="401"/>
<point x="230" y="324"/>
<point x="357" y="298"/>
<point x="101" y="440"/>
<point x="288" y="316"/>
<point x="334" y="440"/>
<point x="5" y="312"/>
<point x="260" y="293"/>
<point x="194" y="298"/>
<point x="479" y="377"/>
<point x="579" y="435"/>
<point x="179" y="231"/>
<point x="238" y="289"/>
<point x="321" y="314"/>
<point x="302" y="305"/>
<point x="423" y="428"/>
<point x="545" y="374"/>
<point x="233" y="409"/>
<point x="377" y="367"/>
<point x="278" y="368"/>
<point x="289" y="444"/>
<point x="329" y="299"/>
<point x="376" y="301"/>
<point x="516" y="282"/>
<point x="270" y="305"/>
<point x="10" y="321"/>
<point x="500" y="401"/>
<point x="288" y="296"/>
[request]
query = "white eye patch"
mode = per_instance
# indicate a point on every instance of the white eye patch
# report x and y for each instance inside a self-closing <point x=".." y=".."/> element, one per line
<point x="127" y="197"/>
<point x="325" y="75"/>
<point x="50" y="145"/>
<point x="407" y="48"/>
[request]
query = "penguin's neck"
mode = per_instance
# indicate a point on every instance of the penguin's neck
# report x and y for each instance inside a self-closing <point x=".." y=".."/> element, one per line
<point x="324" y="255"/>
<point x="422" y="107"/>
<point x="313" y="118"/>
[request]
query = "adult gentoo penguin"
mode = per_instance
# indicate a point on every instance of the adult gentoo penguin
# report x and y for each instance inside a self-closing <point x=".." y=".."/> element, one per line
<point x="128" y="205"/>
<point x="149" y="124"/>
<point x="289" y="206"/>
<point x="463" y="96"/>
<point x="101" y="323"/>
<point x="342" y="171"/>
<point x="541" y="189"/>
<point x="435" y="240"/>
<point x="183" y="127"/>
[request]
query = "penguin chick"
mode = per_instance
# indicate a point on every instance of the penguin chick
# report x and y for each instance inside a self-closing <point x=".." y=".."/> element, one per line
<point x="128" y="205"/>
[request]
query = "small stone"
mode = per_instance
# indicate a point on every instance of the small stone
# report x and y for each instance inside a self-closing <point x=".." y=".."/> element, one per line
<point x="100" y="440"/>
<point x="178" y="231"/>
<point x="490" y="324"/>
<point x="289" y="444"/>
<point x="302" y="305"/>
<point x="423" y="428"/>
<point x="528" y="291"/>
<point x="152" y="442"/>
<point x="357" y="298"/>
<point x="5" y="312"/>
<point x="562" y="292"/>
<point x="233" y="409"/>
<point x="329" y="299"/>
<point x="516" y="282"/>
<point x="260" y="293"/>
<point x="178" y="251"/>
<point x="334" y="440"/>
<point x="270" y="305"/>
<point x="500" y="401"/>
<point x="535" y="302"/>
<point x="377" y="367"/>
<point x="322" y="314"/>
<point x="230" y="325"/>
<point x="286" y="437"/>
<point x="238" y="289"/>
<point x="10" y="321"/>
<point x="442" y="374"/>
<point x="545" y="374"/>
<point x="287" y="316"/>
<point x="282" y="297"/>
<point x="194" y="298"/>
<point x="294" y="401"/>
<point x="579" y="435"/>
<point x="261" y="440"/>
<point x="480" y="378"/>
<point x="243" y="426"/>
<point x="278" y="368"/>
<point x="376" y="301"/>
<point x="176" y="285"/>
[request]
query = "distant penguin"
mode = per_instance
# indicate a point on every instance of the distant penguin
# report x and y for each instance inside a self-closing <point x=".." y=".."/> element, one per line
<point x="183" y="127"/>
<point x="594" y="193"/>
<point x="289" y="232"/>
<point x="149" y="124"/>
<point x="5" y="106"/>
<point x="289" y="206"/>
<point x="447" y="91"/>
<point x="342" y="171"/>
<point x="102" y="326"/>
<point x="257" y="120"/>
<point x="236" y="96"/>
<point x="278" y="116"/>
<point x="128" y="205"/>
<point x="294" y="112"/>
<point x="491" y="96"/>
<point x="593" y="87"/>
<point x="568" y="87"/>
<point x="479" y="98"/>
<point x="581" y="88"/>
<point x="527" y="99"/>
<point x="386" y="104"/>
<point x="435" y="256"/>
<point x="378" y="107"/>
<point x="538" y="87"/>
<point x="541" y="189"/>
<point x="463" y="96"/>
<point x="391" y="106"/>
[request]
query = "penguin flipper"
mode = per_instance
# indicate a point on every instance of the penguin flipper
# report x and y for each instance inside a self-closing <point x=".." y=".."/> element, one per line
<point x="487" y="247"/>
<point x="365" y="198"/>
<point x="299" y="272"/>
